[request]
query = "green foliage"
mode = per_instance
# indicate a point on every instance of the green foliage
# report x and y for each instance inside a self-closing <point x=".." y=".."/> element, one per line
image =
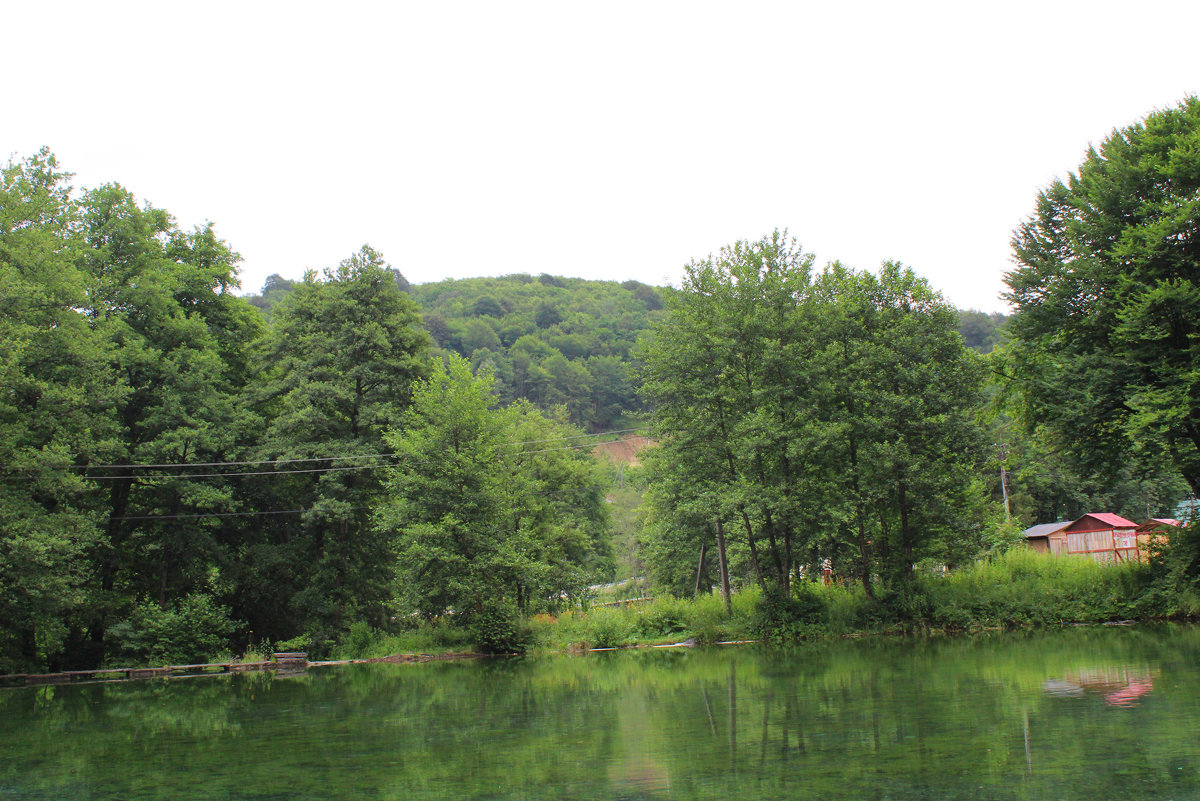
<point x="1107" y="320"/>
<point x="274" y="290"/>
<point x="189" y="631"/>
<point x="123" y="343"/>
<point x="812" y="416"/>
<point x="1018" y="588"/>
<point x="499" y="629"/>
<point x="800" y="615"/>
<point x="1024" y="587"/>
<point x="980" y="331"/>
<point x="339" y="362"/>
<point x="357" y="640"/>
<point x="813" y="413"/>
<point x="1175" y="564"/>
<point x="664" y="620"/>
<point x="1047" y="483"/>
<point x="299" y="643"/>
<point x="610" y="628"/>
<point x="555" y="341"/>
<point x="363" y="641"/>
<point x="487" y="511"/>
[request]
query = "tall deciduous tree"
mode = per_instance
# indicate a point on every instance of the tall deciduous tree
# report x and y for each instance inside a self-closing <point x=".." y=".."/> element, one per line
<point x="56" y="391"/>
<point x="123" y="345"/>
<point x="490" y="506"/>
<point x="178" y="340"/>
<point x="1107" y="299"/>
<point x="814" y="414"/>
<point x="894" y="393"/>
<point x="722" y="375"/>
<point x="339" y="363"/>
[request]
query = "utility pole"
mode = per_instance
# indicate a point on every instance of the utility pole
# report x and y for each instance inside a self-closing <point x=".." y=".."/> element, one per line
<point x="1003" y="451"/>
<point x="1004" y="490"/>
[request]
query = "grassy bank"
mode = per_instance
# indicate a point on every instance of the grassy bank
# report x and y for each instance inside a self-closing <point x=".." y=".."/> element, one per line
<point x="1018" y="589"/>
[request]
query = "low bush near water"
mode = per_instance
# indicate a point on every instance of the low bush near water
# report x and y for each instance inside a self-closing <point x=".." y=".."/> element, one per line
<point x="192" y="630"/>
<point x="363" y="641"/>
<point x="500" y="630"/>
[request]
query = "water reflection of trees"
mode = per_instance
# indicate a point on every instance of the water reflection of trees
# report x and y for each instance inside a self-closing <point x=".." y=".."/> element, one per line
<point x="880" y="719"/>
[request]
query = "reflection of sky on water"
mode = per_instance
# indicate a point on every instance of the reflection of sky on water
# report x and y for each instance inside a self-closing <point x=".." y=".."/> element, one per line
<point x="1122" y="685"/>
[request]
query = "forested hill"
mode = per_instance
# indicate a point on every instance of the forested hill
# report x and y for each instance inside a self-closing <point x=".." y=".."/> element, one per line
<point x="562" y="341"/>
<point x="556" y="342"/>
<point x="981" y="331"/>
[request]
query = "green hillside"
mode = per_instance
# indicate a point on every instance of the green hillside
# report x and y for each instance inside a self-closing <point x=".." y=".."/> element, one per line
<point x="553" y="341"/>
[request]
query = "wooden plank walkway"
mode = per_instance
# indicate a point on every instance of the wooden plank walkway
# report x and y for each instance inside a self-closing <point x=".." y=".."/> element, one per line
<point x="283" y="663"/>
<point x="627" y="601"/>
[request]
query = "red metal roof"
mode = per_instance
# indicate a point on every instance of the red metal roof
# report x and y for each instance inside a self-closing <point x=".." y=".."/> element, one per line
<point x="1116" y="521"/>
<point x="1157" y="522"/>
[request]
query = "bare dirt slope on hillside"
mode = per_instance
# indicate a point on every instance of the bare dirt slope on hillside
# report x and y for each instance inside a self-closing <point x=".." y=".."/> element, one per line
<point x="624" y="450"/>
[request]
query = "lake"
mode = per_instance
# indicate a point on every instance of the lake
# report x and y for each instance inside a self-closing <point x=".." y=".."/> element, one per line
<point x="1087" y="713"/>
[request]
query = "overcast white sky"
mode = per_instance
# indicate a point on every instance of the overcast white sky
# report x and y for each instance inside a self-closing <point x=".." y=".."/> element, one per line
<point x="609" y="140"/>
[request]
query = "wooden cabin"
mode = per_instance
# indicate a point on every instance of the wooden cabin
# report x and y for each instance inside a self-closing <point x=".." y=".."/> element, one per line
<point x="1047" y="537"/>
<point x="1156" y="533"/>
<point x="1105" y="537"/>
<point x="1159" y="524"/>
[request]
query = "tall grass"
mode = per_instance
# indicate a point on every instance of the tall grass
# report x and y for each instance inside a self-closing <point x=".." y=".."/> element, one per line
<point x="363" y="641"/>
<point x="1024" y="587"/>
<point x="1018" y="588"/>
<point x="662" y="620"/>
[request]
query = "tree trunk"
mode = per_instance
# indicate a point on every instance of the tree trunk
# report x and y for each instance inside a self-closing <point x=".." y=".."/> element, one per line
<point x="700" y="567"/>
<point x="906" y="535"/>
<point x="724" y="568"/>
<point x="864" y="556"/>
<point x="762" y="582"/>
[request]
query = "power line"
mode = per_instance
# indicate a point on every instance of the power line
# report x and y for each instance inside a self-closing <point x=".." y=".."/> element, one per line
<point x="218" y="514"/>
<point x="556" y="493"/>
<point x="241" y="474"/>
<point x="312" y="459"/>
<point x="312" y="470"/>
<point x="179" y="465"/>
<point x="171" y="465"/>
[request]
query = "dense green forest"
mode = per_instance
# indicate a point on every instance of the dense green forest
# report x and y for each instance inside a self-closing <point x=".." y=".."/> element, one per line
<point x="551" y="341"/>
<point x="184" y="473"/>
<point x="185" y="470"/>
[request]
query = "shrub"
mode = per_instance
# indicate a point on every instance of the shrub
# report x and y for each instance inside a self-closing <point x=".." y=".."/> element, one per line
<point x="789" y="617"/>
<point x="1023" y="587"/>
<point x="301" y="643"/>
<point x="359" y="641"/>
<point x="662" y="617"/>
<point x="189" y="631"/>
<point x="499" y="629"/>
<point x="609" y="628"/>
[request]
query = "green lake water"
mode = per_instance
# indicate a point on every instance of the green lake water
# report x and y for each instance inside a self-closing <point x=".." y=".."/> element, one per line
<point x="1085" y="713"/>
